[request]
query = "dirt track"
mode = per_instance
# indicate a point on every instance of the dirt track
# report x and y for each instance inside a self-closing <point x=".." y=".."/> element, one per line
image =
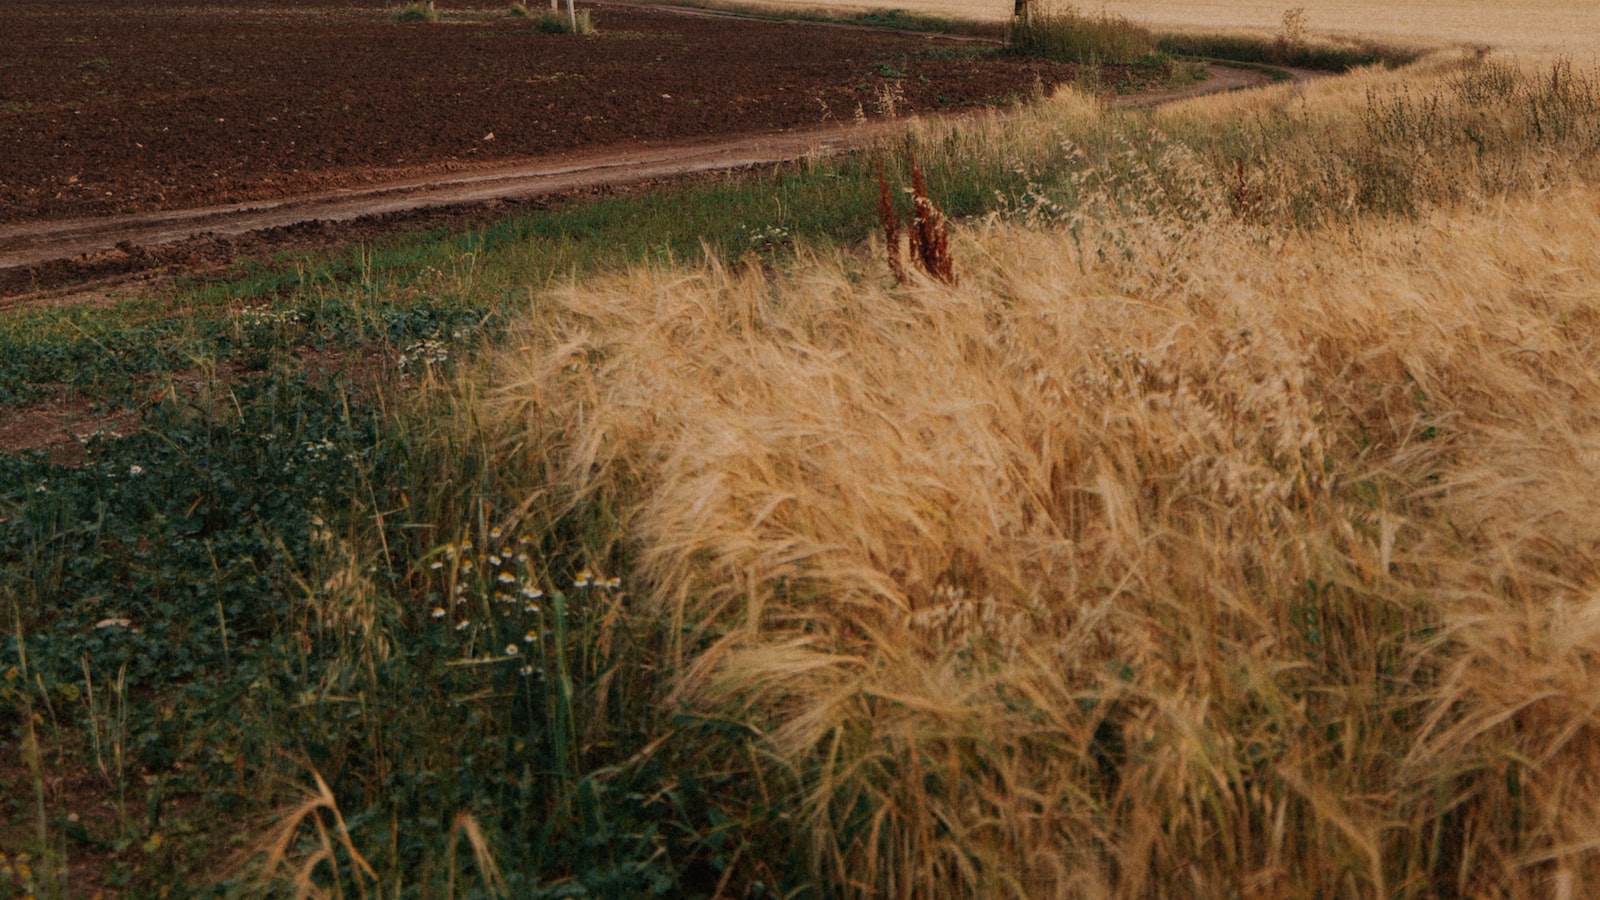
<point x="127" y="220"/>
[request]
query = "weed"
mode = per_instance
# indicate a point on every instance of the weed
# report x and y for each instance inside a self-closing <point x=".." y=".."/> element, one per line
<point x="930" y="232"/>
<point x="887" y="99"/>
<point x="928" y="235"/>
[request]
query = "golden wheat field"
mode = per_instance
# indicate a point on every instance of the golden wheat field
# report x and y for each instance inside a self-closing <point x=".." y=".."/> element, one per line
<point x="1571" y="26"/>
<point x="1228" y="529"/>
<point x="1529" y="26"/>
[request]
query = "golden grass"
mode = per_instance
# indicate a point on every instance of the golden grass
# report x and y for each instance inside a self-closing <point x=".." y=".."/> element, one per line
<point x="1176" y="552"/>
<point x="1521" y="25"/>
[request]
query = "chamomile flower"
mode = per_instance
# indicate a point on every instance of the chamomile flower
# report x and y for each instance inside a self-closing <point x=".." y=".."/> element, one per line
<point x="584" y="579"/>
<point x="512" y="649"/>
<point x="494" y="533"/>
<point x="532" y="593"/>
<point x="438" y="612"/>
<point x="462" y="625"/>
<point x="436" y="565"/>
<point x="530" y="637"/>
<point x="494" y="559"/>
<point x="506" y="578"/>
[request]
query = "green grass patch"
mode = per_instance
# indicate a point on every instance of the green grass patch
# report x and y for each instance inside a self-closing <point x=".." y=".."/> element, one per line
<point x="417" y="12"/>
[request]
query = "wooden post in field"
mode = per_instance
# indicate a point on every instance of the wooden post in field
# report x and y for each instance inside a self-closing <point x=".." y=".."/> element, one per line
<point x="572" y="13"/>
<point x="1020" y="10"/>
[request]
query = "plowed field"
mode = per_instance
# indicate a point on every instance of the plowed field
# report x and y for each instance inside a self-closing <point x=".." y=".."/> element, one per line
<point x="118" y="106"/>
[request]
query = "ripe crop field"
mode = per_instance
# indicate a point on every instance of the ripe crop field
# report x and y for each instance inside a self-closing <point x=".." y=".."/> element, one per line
<point x="1568" y="26"/>
<point x="1200" y="504"/>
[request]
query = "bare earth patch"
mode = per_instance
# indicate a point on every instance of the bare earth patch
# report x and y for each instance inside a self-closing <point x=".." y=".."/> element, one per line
<point x="62" y="426"/>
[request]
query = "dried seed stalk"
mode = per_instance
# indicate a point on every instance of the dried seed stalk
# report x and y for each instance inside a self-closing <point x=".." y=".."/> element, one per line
<point x="891" y="227"/>
<point x="930" y="232"/>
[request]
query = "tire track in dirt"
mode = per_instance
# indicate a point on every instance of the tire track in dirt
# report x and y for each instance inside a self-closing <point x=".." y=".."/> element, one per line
<point x="34" y="243"/>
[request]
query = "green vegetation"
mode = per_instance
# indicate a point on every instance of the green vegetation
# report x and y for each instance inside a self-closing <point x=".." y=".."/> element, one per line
<point x="417" y="12"/>
<point x="552" y="22"/>
<point x="1318" y="55"/>
<point x="530" y="561"/>
<point x="899" y="19"/>
<point x="903" y="20"/>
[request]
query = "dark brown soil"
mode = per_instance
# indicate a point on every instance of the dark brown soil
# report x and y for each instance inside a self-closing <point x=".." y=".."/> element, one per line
<point x="118" y="106"/>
